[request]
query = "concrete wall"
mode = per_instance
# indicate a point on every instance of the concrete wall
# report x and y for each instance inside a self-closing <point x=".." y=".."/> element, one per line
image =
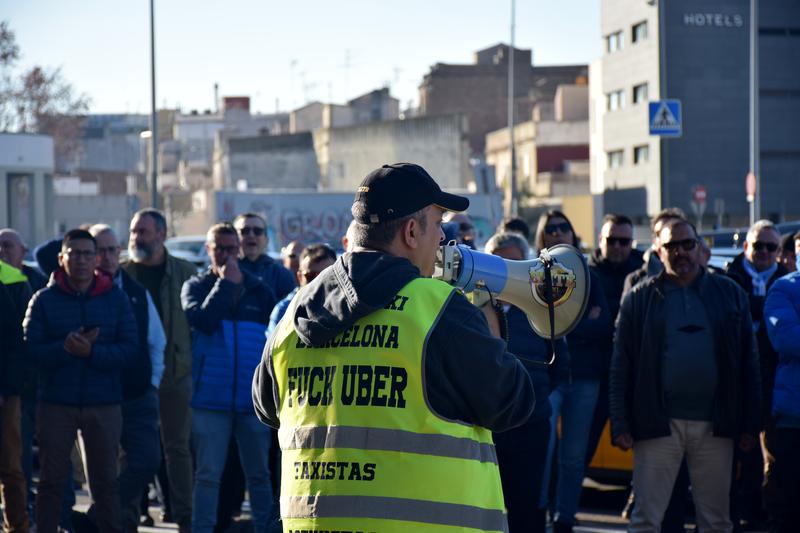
<point x="334" y="116"/>
<point x="26" y="185"/>
<point x="540" y="147"/>
<point x="307" y="118"/>
<point x="115" y="210"/>
<point x="571" y="103"/>
<point x="346" y="155"/>
<point x="279" y="161"/>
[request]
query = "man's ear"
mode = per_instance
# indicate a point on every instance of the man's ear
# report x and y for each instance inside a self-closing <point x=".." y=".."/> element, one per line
<point x="411" y="232"/>
<point x="61" y="259"/>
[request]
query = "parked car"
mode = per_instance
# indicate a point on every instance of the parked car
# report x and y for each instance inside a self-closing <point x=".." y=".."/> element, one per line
<point x="191" y="248"/>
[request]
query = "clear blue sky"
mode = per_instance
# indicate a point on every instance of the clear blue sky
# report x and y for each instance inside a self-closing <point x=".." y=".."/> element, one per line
<point x="248" y="46"/>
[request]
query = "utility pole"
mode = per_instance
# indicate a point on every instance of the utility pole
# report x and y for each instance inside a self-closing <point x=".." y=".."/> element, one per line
<point x="153" y="114"/>
<point x="755" y="159"/>
<point x="513" y="206"/>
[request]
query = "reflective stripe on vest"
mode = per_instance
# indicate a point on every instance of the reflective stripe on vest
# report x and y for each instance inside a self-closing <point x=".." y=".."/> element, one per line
<point x="362" y="450"/>
<point x="395" y="440"/>
<point x="445" y="514"/>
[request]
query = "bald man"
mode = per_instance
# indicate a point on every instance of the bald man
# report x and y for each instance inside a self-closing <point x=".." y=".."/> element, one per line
<point x="13" y="249"/>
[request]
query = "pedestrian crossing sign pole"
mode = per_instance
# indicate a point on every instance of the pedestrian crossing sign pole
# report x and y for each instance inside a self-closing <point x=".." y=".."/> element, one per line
<point x="665" y="118"/>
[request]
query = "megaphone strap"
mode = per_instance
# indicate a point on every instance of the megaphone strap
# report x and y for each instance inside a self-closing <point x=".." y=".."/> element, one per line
<point x="551" y="312"/>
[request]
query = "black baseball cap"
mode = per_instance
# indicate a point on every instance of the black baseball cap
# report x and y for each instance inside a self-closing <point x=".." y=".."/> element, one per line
<point x="395" y="191"/>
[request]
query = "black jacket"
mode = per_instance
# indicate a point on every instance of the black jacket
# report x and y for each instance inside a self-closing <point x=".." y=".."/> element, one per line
<point x="13" y="303"/>
<point x="136" y="378"/>
<point x="612" y="276"/>
<point x="636" y="397"/>
<point x="768" y="357"/>
<point x="469" y="375"/>
<point x="11" y="345"/>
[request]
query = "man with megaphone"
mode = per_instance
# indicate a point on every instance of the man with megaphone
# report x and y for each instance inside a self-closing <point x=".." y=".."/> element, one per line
<point x="385" y="384"/>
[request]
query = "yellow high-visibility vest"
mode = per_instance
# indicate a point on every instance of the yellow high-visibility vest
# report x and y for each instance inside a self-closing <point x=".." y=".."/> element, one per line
<point x="10" y="274"/>
<point x="362" y="451"/>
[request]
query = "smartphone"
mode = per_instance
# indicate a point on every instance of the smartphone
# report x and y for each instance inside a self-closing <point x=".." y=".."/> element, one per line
<point x="87" y="329"/>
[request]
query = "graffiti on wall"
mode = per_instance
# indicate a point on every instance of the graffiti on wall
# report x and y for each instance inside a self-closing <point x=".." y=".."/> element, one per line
<point x="307" y="224"/>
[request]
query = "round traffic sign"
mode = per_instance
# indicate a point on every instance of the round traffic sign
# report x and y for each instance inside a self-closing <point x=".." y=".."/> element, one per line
<point x="750" y="184"/>
<point x="699" y="194"/>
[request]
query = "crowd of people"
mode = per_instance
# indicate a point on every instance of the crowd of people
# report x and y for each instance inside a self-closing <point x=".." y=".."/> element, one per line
<point x="152" y="364"/>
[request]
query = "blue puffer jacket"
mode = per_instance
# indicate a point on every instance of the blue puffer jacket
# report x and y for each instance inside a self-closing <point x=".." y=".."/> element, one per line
<point x="782" y="316"/>
<point x="273" y="274"/>
<point x="57" y="310"/>
<point x="228" y="323"/>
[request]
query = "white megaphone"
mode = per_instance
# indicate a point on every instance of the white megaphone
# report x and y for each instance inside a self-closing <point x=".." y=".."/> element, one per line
<point x="552" y="290"/>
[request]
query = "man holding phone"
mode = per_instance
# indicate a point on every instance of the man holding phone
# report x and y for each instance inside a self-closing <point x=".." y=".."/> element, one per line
<point x="80" y="331"/>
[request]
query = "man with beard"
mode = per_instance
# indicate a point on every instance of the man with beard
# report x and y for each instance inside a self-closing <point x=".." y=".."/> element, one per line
<point x="163" y="276"/>
<point x="252" y="230"/>
<point x="683" y="322"/>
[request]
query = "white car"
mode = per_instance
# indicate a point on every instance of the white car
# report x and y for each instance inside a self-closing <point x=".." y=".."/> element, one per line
<point x="191" y="248"/>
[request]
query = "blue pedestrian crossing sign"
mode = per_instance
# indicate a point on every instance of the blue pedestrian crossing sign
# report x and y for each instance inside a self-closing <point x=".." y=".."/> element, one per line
<point x="665" y="118"/>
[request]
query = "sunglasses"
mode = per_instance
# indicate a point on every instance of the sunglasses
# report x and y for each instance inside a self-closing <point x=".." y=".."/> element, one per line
<point x="619" y="241"/>
<point x="687" y="245"/>
<point x="771" y="247"/>
<point x="563" y="227"/>
<point x="247" y="230"/>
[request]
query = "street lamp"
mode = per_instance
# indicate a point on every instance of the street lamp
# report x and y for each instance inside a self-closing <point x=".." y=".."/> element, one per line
<point x="513" y="198"/>
<point x="153" y="115"/>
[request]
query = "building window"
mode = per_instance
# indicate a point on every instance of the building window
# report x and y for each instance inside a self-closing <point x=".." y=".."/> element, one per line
<point x="614" y="42"/>
<point x="641" y="154"/>
<point x="640" y="93"/>
<point x="639" y="32"/>
<point x="615" y="159"/>
<point x="616" y="100"/>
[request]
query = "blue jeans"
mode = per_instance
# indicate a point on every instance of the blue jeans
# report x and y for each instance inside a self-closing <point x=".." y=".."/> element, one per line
<point x="575" y="403"/>
<point x="211" y="433"/>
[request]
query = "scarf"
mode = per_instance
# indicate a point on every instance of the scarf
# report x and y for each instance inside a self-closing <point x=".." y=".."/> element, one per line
<point x="760" y="279"/>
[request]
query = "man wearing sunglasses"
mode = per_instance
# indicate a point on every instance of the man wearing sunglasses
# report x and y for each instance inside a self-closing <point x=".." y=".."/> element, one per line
<point x="227" y="309"/>
<point x="684" y="382"/>
<point x="253" y="240"/>
<point x="755" y="270"/>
